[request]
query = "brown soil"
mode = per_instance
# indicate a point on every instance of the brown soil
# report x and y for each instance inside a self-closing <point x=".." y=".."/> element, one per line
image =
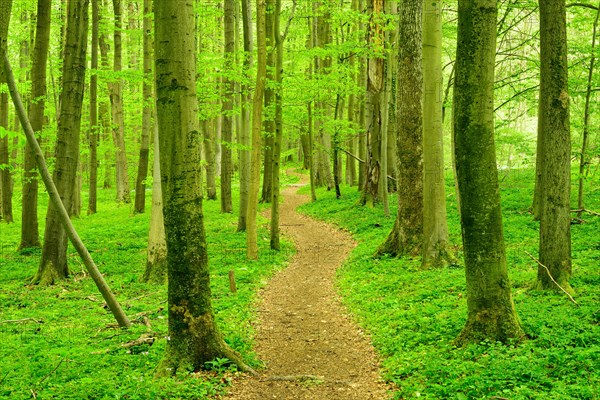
<point x="311" y="347"/>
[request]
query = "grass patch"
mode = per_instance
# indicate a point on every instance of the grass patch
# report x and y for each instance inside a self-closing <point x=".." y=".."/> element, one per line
<point x="67" y="347"/>
<point x="413" y="315"/>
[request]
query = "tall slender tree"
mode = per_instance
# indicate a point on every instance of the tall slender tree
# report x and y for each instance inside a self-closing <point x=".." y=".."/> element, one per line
<point x="257" y="108"/>
<point x="436" y="242"/>
<point x="193" y="335"/>
<point x="375" y="103"/>
<point x="29" y="212"/>
<point x="491" y="312"/>
<point x="94" y="128"/>
<point x="5" y="173"/>
<point x="116" y="101"/>
<point x="245" y="120"/>
<point x="227" y="107"/>
<point x="555" y="146"/>
<point x="142" y="173"/>
<point x="53" y="265"/>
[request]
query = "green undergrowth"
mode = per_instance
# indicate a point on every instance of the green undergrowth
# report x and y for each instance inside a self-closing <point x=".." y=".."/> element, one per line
<point x="413" y="315"/>
<point x="60" y="342"/>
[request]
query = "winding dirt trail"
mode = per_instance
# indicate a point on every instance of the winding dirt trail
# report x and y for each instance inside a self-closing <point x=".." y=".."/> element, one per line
<point x="311" y="348"/>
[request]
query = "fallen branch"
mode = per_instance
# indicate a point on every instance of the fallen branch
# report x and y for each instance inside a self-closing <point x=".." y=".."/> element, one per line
<point x="583" y="210"/>
<point x="51" y="372"/>
<point x="144" y="339"/>
<point x="18" y="321"/>
<point x="3" y="378"/>
<point x="550" y="275"/>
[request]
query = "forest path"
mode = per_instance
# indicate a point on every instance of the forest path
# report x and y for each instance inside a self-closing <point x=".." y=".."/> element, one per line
<point x="310" y="346"/>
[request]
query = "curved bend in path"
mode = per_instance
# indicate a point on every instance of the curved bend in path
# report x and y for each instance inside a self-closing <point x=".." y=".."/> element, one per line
<point x="311" y="348"/>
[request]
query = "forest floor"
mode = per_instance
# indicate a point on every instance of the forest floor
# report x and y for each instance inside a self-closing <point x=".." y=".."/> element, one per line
<point x="310" y="346"/>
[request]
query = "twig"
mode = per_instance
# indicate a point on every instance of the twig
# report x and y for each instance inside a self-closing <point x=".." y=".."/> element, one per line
<point x="300" y="378"/>
<point x="363" y="161"/>
<point x="4" y="377"/>
<point x="16" y="321"/>
<point x="51" y="372"/>
<point x="550" y="275"/>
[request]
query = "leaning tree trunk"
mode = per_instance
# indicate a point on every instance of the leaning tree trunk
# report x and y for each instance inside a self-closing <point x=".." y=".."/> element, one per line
<point x="554" y="129"/>
<point x="406" y="237"/>
<point x="193" y="335"/>
<point x="142" y="173"/>
<point x="491" y="312"/>
<point x="53" y="265"/>
<point x="257" y="107"/>
<point x="229" y="86"/>
<point x="116" y="101"/>
<point x="436" y="243"/>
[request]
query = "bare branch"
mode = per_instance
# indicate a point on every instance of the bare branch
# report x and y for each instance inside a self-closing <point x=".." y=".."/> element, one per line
<point x="550" y="275"/>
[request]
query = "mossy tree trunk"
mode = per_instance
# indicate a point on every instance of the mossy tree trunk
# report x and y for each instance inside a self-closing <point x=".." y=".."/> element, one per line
<point x="491" y="312"/>
<point x="555" y="143"/>
<point x="406" y="237"/>
<point x="193" y="336"/>
<point x="53" y="265"/>
<point x="436" y="243"/>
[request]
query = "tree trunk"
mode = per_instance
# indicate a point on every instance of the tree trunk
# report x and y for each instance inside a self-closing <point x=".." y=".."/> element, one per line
<point x="269" y="106"/>
<point x="245" y="126"/>
<point x="491" y="312"/>
<point x="29" y="212"/>
<point x="257" y="106"/>
<point x="53" y="265"/>
<point x="208" y="130"/>
<point x="228" y="99"/>
<point x="278" y="127"/>
<point x="436" y="246"/>
<point x="156" y="262"/>
<point x="116" y="101"/>
<point x="406" y="237"/>
<point x="140" y="186"/>
<point x="193" y="335"/>
<point x="555" y="136"/>
<point x="374" y="107"/>
<point x="5" y="173"/>
<point x="586" y="118"/>
<point x="94" y="128"/>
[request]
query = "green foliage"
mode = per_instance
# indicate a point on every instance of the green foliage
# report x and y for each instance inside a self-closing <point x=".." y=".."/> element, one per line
<point x="68" y="346"/>
<point x="413" y="315"/>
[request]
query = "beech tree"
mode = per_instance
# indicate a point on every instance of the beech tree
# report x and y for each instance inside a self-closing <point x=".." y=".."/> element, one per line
<point x="554" y="138"/>
<point x="53" y="265"/>
<point x="193" y="335"/>
<point x="227" y="107"/>
<point x="406" y="237"/>
<point x="491" y="312"/>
